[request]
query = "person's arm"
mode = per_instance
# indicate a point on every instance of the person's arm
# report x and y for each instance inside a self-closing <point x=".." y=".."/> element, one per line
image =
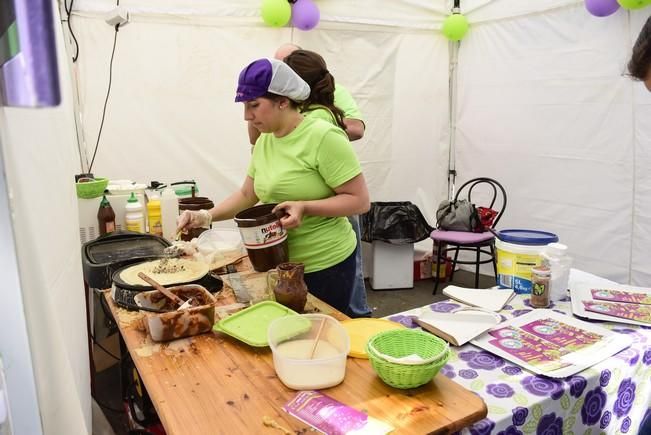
<point x="254" y="133"/>
<point x="350" y="198"/>
<point x="354" y="128"/>
<point x="237" y="201"/>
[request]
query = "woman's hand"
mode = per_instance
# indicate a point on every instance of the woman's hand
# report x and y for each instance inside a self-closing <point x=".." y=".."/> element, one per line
<point x="193" y="219"/>
<point x="293" y="213"/>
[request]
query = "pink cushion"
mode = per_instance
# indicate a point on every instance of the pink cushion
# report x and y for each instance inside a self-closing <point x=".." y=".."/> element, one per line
<point x="461" y="237"/>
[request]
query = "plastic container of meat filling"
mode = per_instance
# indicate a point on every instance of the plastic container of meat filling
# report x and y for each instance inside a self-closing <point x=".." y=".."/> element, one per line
<point x="172" y="323"/>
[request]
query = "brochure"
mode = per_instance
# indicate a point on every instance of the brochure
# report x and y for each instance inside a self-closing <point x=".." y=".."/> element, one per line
<point x="552" y="344"/>
<point x="614" y="303"/>
<point x="332" y="417"/>
<point x="637" y="312"/>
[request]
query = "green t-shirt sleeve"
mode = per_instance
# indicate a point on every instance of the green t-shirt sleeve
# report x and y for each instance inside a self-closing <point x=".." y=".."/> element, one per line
<point x="336" y="159"/>
<point x="251" y="169"/>
<point x="345" y="101"/>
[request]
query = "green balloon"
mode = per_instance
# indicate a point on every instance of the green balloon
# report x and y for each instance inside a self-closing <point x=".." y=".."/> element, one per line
<point x="276" y="13"/>
<point x="455" y="27"/>
<point x="633" y="4"/>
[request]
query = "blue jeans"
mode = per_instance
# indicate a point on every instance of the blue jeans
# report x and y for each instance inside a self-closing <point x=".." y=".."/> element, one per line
<point x="334" y="284"/>
<point x="358" y="305"/>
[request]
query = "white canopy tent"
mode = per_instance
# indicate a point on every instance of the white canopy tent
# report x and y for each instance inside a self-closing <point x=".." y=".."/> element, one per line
<point x="542" y="107"/>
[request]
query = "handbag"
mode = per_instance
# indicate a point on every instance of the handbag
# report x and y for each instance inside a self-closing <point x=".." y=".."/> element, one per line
<point x="459" y="215"/>
<point x="486" y="217"/>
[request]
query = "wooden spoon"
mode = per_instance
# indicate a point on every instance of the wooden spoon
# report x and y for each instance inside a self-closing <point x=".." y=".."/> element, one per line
<point x="318" y="336"/>
<point x="161" y="289"/>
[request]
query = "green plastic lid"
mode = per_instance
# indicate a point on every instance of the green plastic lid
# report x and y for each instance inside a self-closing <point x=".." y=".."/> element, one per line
<point x="132" y="198"/>
<point x="250" y="325"/>
<point x="184" y="190"/>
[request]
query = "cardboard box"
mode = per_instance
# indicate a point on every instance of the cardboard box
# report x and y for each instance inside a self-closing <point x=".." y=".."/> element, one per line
<point x="445" y="269"/>
<point x="422" y="267"/>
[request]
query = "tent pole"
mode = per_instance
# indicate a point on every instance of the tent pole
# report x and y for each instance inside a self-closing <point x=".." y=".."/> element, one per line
<point x="453" y="49"/>
<point x="74" y="70"/>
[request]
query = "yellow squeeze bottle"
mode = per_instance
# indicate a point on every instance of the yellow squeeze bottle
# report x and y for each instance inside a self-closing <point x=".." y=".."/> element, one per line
<point x="154" y="216"/>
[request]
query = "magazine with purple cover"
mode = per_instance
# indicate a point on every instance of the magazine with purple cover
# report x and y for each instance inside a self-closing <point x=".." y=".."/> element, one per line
<point x="604" y="294"/>
<point x="594" y="300"/>
<point x="638" y="312"/>
<point x="332" y="417"/>
<point x="543" y="342"/>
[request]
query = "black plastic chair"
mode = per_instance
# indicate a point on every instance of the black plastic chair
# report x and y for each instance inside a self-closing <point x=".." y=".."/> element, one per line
<point x="469" y="241"/>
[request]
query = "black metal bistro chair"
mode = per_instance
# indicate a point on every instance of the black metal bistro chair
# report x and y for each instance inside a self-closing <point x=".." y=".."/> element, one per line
<point x="493" y="196"/>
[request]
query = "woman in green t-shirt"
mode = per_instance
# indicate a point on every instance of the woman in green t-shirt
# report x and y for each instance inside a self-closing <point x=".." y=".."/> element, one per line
<point x="308" y="167"/>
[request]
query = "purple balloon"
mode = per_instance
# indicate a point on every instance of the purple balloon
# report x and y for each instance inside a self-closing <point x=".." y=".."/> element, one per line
<point x="305" y="15"/>
<point x="601" y="8"/>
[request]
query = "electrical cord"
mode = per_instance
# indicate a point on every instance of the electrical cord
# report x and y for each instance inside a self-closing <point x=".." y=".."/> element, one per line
<point x="108" y="92"/>
<point x="74" y="38"/>
<point x="109" y="320"/>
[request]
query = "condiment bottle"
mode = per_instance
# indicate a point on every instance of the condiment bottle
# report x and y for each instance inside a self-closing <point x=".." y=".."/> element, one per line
<point x="134" y="219"/>
<point x="169" y="207"/>
<point x="105" y="216"/>
<point x="154" y="215"/>
<point x="540" y="285"/>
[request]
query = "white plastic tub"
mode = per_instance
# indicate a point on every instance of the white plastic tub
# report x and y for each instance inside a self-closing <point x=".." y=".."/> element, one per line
<point x="517" y="252"/>
<point x="292" y="338"/>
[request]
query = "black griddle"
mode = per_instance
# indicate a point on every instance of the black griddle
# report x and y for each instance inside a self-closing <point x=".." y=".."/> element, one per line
<point x="103" y="256"/>
<point x="124" y="293"/>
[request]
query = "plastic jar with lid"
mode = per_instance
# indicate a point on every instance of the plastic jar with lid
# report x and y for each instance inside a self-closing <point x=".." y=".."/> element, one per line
<point x="540" y="283"/>
<point x="555" y="257"/>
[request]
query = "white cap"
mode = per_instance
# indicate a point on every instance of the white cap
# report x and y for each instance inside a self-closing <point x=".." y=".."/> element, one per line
<point x="556" y="248"/>
<point x="273" y="76"/>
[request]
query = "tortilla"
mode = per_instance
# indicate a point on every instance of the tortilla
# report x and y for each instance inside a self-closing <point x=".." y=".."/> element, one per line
<point x="170" y="271"/>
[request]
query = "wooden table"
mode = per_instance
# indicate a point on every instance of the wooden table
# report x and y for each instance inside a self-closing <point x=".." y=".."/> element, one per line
<point x="214" y="384"/>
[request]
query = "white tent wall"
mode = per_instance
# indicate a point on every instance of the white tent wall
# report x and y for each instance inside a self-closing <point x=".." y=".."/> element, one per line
<point x="542" y="106"/>
<point x="171" y="114"/>
<point x="545" y="109"/>
<point x="40" y="156"/>
<point x="641" y="232"/>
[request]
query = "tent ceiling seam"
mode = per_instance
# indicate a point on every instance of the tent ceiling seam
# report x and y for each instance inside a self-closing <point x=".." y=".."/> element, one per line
<point x="326" y="23"/>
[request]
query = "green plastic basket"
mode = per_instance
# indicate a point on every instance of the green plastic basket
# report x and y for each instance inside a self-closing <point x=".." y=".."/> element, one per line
<point x="92" y="189"/>
<point x="403" y="342"/>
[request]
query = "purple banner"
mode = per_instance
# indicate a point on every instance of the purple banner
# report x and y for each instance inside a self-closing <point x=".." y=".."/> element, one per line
<point x="30" y="78"/>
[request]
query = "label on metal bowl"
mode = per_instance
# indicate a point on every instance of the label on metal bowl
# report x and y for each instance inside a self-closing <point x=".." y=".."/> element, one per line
<point x="263" y="236"/>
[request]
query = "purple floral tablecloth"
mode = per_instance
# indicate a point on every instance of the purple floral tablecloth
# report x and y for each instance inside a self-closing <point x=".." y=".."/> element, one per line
<point x="612" y="397"/>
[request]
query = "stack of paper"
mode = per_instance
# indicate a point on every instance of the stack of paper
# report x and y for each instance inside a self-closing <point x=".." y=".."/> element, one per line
<point x="488" y="299"/>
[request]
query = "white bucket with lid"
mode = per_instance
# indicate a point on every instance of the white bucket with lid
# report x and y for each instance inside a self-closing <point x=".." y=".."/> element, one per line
<point x="517" y="252"/>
